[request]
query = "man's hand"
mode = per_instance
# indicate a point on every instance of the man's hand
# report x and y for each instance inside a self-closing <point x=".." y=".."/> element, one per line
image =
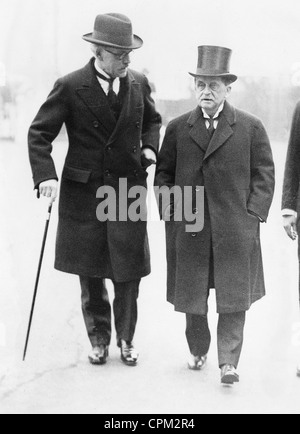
<point x="49" y="189"/>
<point x="290" y="226"/>
<point x="148" y="157"/>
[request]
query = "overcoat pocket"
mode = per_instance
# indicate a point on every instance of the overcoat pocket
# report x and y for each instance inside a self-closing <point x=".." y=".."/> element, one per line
<point x="76" y="174"/>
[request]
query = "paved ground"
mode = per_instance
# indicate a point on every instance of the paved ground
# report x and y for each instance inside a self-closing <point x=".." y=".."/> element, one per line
<point x="57" y="379"/>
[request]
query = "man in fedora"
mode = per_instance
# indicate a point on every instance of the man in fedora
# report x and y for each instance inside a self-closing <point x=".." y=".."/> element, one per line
<point x="113" y="131"/>
<point x="227" y="152"/>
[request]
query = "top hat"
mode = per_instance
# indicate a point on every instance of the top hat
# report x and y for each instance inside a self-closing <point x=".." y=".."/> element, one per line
<point x="214" y="62"/>
<point x="114" y="30"/>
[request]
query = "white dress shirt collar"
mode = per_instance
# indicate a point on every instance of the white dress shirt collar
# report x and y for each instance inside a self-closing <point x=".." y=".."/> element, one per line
<point x="220" y="109"/>
<point x="216" y="116"/>
<point x="104" y="83"/>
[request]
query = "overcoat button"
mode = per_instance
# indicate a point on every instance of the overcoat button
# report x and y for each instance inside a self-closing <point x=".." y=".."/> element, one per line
<point x="194" y="235"/>
<point x="134" y="150"/>
<point x="96" y="124"/>
<point x="135" y="173"/>
<point x="138" y="125"/>
<point x="107" y="173"/>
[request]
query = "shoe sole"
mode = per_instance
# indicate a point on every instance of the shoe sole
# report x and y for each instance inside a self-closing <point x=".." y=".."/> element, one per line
<point x="230" y="379"/>
<point x="99" y="362"/>
<point x="192" y="368"/>
<point x="197" y="368"/>
<point x="130" y="364"/>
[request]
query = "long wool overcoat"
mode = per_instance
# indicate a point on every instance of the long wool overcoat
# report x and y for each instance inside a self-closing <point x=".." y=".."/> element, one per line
<point x="291" y="185"/>
<point x="237" y="171"/>
<point x="101" y="151"/>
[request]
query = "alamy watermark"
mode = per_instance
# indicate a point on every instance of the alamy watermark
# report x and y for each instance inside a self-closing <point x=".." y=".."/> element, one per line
<point x="132" y="204"/>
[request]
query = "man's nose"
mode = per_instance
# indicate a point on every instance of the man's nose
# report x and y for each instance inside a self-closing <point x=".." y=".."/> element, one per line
<point x="207" y="90"/>
<point x="127" y="60"/>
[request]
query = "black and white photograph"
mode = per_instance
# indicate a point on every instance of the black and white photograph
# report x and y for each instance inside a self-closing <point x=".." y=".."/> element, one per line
<point x="150" y="197"/>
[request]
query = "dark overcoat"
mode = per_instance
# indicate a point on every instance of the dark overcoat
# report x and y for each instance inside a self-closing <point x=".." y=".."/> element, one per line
<point x="101" y="151"/>
<point x="237" y="171"/>
<point x="291" y="185"/>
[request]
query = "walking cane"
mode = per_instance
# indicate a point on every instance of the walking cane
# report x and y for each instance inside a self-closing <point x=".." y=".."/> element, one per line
<point x="37" y="279"/>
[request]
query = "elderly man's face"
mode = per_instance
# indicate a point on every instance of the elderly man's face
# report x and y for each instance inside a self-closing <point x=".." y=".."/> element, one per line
<point x="211" y="92"/>
<point x="114" y="62"/>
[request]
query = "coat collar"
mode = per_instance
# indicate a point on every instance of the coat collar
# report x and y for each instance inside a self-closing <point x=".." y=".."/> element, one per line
<point x="223" y="132"/>
<point x="94" y="97"/>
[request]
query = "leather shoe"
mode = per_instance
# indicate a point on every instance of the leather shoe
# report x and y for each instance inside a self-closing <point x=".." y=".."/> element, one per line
<point x="229" y="375"/>
<point x="99" y="355"/>
<point x="197" y="363"/>
<point x="129" y="355"/>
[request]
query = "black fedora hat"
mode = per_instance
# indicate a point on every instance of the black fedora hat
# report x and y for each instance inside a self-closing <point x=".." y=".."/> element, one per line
<point x="114" y="30"/>
<point x="214" y="61"/>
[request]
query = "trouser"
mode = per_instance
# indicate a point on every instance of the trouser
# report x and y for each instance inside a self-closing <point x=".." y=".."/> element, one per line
<point x="230" y="336"/>
<point x="97" y="313"/>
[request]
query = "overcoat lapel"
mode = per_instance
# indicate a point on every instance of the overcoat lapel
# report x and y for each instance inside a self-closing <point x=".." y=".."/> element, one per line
<point x="198" y="130"/>
<point x="95" y="99"/>
<point x="132" y="100"/>
<point x="224" y="130"/>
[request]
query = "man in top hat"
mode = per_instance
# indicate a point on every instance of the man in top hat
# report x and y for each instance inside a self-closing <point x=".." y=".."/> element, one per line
<point x="226" y="151"/>
<point x="113" y="131"/>
<point x="291" y="186"/>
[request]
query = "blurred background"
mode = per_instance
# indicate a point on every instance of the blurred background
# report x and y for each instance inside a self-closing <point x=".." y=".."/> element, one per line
<point x="41" y="40"/>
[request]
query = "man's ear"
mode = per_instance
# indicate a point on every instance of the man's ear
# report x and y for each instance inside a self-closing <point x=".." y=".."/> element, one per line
<point x="99" y="53"/>
<point x="229" y="88"/>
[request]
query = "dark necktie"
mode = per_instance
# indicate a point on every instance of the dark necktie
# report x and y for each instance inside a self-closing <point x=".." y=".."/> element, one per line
<point x="211" y="129"/>
<point x="112" y="97"/>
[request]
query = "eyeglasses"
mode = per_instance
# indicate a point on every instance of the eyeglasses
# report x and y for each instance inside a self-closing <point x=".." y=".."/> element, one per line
<point x="120" y="56"/>
<point x="214" y="87"/>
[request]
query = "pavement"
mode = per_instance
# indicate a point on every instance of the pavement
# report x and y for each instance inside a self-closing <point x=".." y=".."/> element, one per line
<point x="57" y="378"/>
